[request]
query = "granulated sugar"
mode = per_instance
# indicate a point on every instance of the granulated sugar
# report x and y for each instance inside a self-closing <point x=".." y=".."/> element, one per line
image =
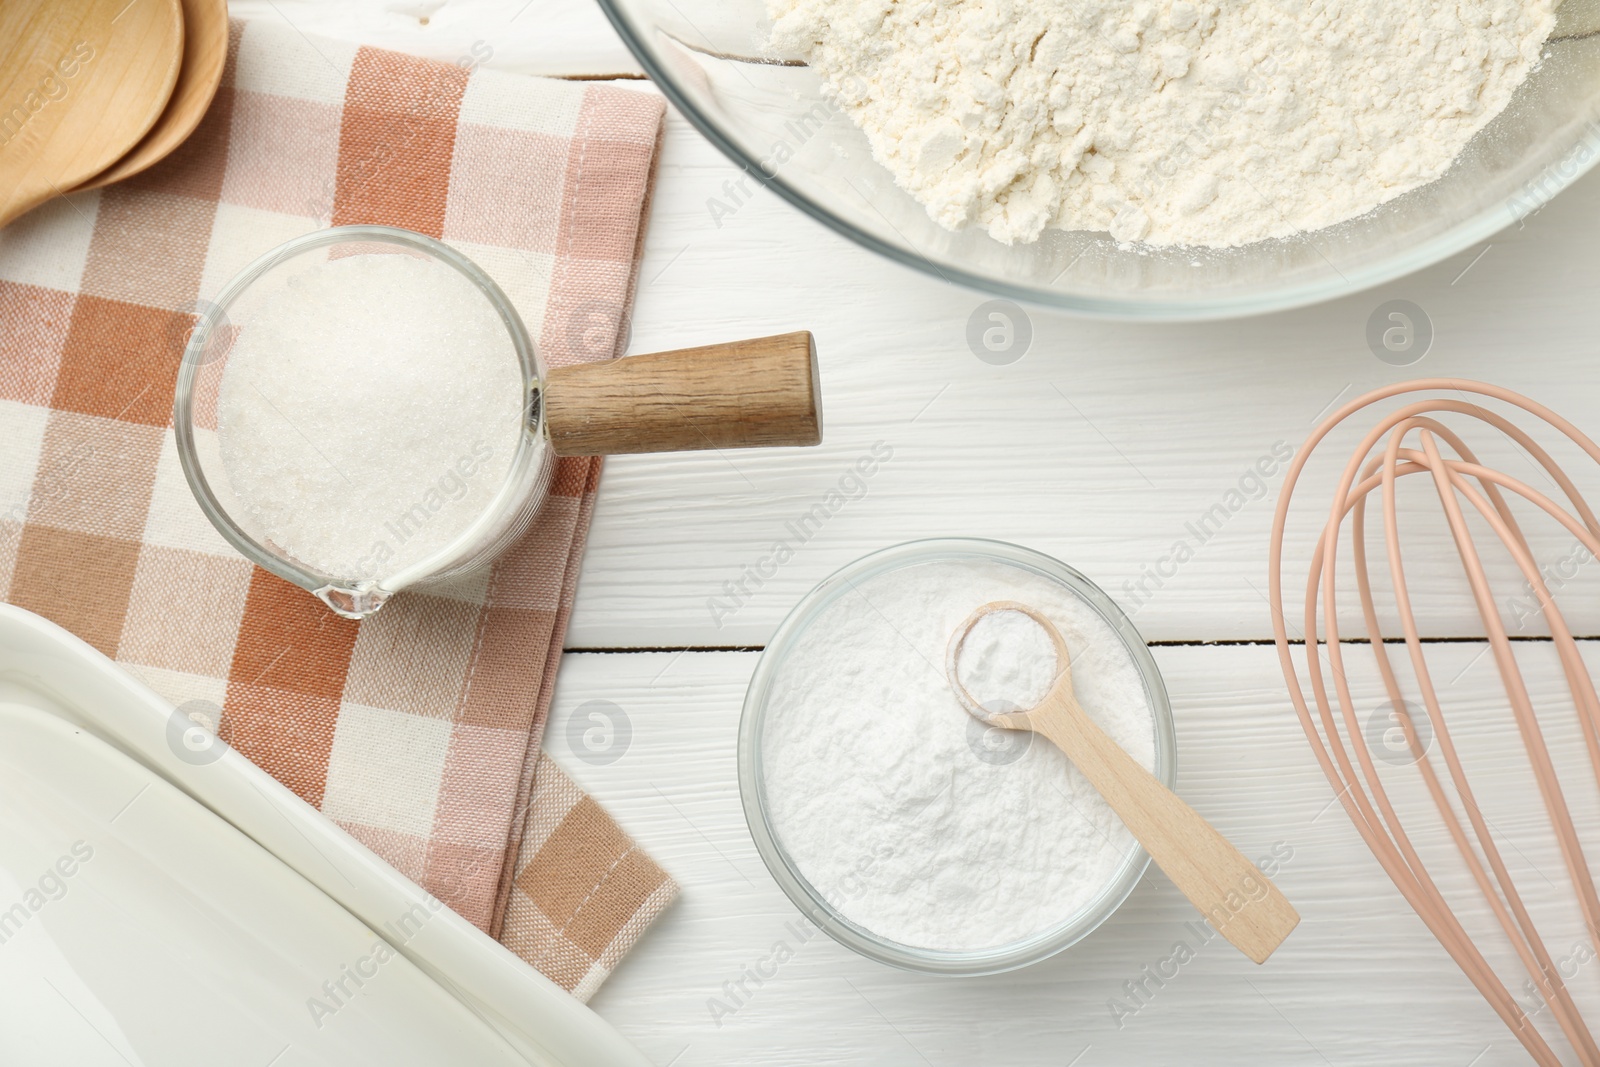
<point x="368" y="412"/>
<point x="1175" y="122"/>
<point x="917" y="821"/>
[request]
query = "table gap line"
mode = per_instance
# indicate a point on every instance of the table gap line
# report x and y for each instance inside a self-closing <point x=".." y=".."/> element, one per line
<point x="625" y="650"/>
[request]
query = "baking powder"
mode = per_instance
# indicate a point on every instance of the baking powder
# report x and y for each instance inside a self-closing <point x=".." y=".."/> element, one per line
<point x="1006" y="663"/>
<point x="912" y="818"/>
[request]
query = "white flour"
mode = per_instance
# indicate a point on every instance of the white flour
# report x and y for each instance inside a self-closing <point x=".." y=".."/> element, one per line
<point x="898" y="806"/>
<point x="1169" y="121"/>
<point x="368" y="413"/>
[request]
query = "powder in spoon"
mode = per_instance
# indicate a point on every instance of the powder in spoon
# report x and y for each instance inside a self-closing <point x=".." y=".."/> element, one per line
<point x="369" y="411"/>
<point x="911" y="817"/>
<point x="1007" y="662"/>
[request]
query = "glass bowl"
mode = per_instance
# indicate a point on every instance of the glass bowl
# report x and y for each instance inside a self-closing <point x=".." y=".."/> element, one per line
<point x="811" y="901"/>
<point x="711" y="59"/>
<point x="205" y="359"/>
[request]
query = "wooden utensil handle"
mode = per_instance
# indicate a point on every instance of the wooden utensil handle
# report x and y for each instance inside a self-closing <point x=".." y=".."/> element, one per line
<point x="746" y="394"/>
<point x="1241" y="903"/>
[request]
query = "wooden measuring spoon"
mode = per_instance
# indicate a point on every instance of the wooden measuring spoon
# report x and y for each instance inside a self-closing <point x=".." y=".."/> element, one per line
<point x="81" y="81"/>
<point x="205" y="50"/>
<point x="1240" y="902"/>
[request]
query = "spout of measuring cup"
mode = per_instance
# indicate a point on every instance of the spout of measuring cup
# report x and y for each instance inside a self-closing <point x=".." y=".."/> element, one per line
<point x="353" y="602"/>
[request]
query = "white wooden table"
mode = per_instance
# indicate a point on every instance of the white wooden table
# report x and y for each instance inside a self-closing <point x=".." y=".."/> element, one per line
<point x="1097" y="447"/>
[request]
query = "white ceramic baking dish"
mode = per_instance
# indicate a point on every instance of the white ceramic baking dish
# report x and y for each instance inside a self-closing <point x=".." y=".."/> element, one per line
<point x="155" y="909"/>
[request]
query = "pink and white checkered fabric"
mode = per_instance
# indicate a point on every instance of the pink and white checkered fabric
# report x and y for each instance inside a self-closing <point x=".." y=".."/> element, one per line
<point x="416" y="730"/>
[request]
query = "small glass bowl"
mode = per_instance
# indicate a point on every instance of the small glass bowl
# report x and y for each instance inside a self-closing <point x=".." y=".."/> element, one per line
<point x="786" y="872"/>
<point x="205" y="358"/>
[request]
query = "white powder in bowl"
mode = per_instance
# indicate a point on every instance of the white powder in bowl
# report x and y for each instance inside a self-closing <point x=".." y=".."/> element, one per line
<point x="1175" y="122"/>
<point x="1007" y="662"/>
<point x="902" y="809"/>
<point x="369" y="410"/>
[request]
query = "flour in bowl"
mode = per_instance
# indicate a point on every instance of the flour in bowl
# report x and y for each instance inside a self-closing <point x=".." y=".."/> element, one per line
<point x="1174" y="122"/>
<point x="916" y="821"/>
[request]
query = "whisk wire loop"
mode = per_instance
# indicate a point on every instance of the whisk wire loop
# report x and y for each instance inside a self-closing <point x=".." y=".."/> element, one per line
<point x="1464" y="485"/>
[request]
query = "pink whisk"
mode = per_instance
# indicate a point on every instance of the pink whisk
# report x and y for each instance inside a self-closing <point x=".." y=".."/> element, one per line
<point x="1416" y="443"/>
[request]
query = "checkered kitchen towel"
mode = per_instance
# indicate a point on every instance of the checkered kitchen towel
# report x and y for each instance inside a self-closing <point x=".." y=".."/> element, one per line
<point x="417" y="730"/>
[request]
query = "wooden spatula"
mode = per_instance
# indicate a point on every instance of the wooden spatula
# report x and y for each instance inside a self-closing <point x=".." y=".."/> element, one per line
<point x="205" y="50"/>
<point x="81" y="81"/>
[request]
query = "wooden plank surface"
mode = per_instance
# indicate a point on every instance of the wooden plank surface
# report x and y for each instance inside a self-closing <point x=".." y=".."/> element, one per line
<point x="551" y="37"/>
<point x="1101" y="446"/>
<point x="1104" y="445"/>
<point x="1360" y="981"/>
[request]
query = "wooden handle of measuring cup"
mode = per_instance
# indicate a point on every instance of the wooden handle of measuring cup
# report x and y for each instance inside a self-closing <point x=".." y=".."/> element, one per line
<point x="745" y="394"/>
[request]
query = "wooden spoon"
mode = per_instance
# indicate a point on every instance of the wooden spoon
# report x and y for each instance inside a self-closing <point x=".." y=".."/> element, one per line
<point x="81" y="81"/>
<point x="1240" y="902"/>
<point x="205" y="51"/>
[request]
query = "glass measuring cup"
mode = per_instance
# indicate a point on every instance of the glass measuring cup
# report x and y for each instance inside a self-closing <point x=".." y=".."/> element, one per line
<point x="758" y="392"/>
